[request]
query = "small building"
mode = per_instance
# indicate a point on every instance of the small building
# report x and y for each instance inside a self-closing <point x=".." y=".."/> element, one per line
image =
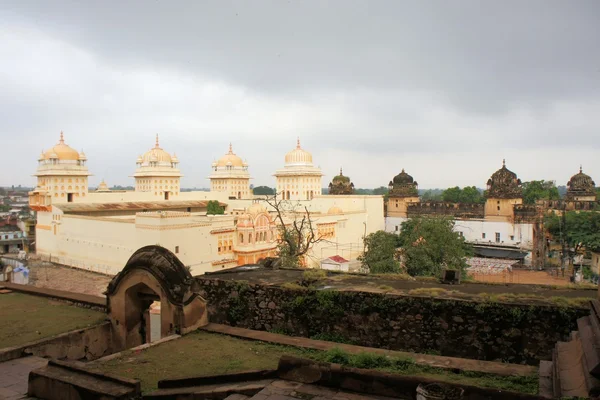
<point x="595" y="265"/>
<point x="341" y="184"/>
<point x="336" y="263"/>
<point x="12" y="239"/>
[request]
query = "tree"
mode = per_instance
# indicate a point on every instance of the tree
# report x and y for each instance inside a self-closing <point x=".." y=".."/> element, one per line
<point x="381" y="190"/>
<point x="432" y="195"/>
<point x="263" y="191"/>
<point x="469" y="194"/>
<point x="539" y="190"/>
<point x="298" y="235"/>
<point x="430" y="244"/>
<point x="577" y="229"/>
<point x="380" y="248"/>
<point x="214" y="208"/>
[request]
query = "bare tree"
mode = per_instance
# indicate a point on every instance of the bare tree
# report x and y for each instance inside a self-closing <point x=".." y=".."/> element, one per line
<point x="299" y="235"/>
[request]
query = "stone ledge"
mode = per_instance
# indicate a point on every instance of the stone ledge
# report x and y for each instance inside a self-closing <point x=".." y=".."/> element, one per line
<point x="462" y="364"/>
<point x="77" y="298"/>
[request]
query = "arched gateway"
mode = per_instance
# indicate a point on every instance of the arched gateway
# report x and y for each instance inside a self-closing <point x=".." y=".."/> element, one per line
<point x="153" y="274"/>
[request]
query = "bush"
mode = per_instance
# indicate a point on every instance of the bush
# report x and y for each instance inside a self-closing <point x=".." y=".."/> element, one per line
<point x="312" y="276"/>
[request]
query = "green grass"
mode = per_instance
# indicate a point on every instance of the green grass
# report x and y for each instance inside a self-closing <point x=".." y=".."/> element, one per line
<point x="203" y="353"/>
<point x="407" y="366"/>
<point x="25" y="318"/>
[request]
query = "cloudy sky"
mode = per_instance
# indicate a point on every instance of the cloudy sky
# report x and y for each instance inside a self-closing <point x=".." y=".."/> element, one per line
<point x="443" y="89"/>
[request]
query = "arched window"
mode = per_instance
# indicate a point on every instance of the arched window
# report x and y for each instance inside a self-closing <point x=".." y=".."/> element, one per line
<point x="241" y="238"/>
<point x="249" y="238"/>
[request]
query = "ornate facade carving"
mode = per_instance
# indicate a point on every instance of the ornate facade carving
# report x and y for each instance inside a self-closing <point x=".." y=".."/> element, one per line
<point x="504" y="184"/>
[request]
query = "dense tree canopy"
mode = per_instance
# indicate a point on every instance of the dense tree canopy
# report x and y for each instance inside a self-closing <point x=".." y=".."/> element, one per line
<point x="430" y="244"/>
<point x="431" y="195"/>
<point x="214" y="208"/>
<point x="380" y="248"/>
<point x="263" y="190"/>
<point x="579" y="229"/>
<point x="468" y="194"/>
<point x="539" y="190"/>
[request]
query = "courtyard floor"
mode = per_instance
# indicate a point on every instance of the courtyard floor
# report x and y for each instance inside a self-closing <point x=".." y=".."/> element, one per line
<point x="25" y="318"/>
<point x="204" y="353"/>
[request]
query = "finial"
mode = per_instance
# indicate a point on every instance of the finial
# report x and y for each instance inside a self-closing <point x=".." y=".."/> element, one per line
<point x="298" y="142"/>
<point x="402" y="169"/>
<point x="157" y="146"/>
<point x="230" y="148"/>
<point x="341" y="174"/>
<point x="580" y="168"/>
<point x="62" y="138"/>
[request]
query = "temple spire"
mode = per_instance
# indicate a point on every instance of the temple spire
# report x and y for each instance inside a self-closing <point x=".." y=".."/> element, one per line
<point x="503" y="162"/>
<point x="298" y="142"/>
<point x="230" y="148"/>
<point x="62" y="138"/>
<point x="157" y="145"/>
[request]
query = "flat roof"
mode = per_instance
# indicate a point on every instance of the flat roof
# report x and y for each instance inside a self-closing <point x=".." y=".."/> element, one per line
<point x="131" y="205"/>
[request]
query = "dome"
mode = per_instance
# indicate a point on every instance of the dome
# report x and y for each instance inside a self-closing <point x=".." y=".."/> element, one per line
<point x="157" y="154"/>
<point x="103" y="187"/>
<point x="335" y="210"/>
<point x="229" y="160"/>
<point x="581" y="185"/>
<point x="581" y="181"/>
<point x="403" y="178"/>
<point x="298" y="156"/>
<point x="61" y="151"/>
<point x="341" y="178"/>
<point x="504" y="184"/>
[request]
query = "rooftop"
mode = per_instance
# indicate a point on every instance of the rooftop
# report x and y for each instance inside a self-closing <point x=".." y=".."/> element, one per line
<point x="131" y="205"/>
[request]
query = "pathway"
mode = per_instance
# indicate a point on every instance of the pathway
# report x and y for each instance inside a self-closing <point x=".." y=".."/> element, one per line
<point x="14" y="375"/>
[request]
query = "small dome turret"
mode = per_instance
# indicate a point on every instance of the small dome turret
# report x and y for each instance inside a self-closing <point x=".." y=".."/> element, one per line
<point x="403" y="185"/>
<point x="504" y="184"/>
<point x="341" y="184"/>
<point x="581" y="185"/>
<point x="298" y="156"/>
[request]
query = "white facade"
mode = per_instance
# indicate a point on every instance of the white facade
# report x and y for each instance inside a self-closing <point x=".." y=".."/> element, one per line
<point x="230" y="175"/>
<point x="299" y="179"/>
<point x="482" y="231"/>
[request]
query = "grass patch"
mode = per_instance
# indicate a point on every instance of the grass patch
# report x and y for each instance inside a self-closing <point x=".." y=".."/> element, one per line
<point x="293" y="286"/>
<point x="407" y="366"/>
<point x="204" y="353"/>
<point x="26" y="318"/>
<point x="385" y="288"/>
<point x="433" y="292"/>
<point x="559" y="301"/>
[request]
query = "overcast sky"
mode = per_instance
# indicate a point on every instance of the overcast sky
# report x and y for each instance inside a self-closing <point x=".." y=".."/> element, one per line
<point x="444" y="89"/>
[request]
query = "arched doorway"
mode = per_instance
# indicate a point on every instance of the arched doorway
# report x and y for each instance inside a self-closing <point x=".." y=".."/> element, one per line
<point x="153" y="275"/>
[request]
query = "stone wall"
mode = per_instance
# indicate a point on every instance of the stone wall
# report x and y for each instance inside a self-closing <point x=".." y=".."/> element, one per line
<point x="479" y="330"/>
<point x="456" y="210"/>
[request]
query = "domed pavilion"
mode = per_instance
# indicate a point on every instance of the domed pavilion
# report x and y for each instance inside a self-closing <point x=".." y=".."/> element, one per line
<point x="504" y="191"/>
<point x="299" y="179"/>
<point x="230" y="174"/>
<point x="403" y="185"/>
<point x="158" y="172"/>
<point x="581" y="187"/>
<point x="62" y="176"/>
<point x="341" y="184"/>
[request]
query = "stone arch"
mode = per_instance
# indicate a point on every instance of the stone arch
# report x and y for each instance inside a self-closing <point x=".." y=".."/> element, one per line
<point x="151" y="274"/>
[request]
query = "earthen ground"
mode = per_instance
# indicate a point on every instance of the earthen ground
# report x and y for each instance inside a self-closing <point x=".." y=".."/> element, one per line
<point x="25" y="318"/>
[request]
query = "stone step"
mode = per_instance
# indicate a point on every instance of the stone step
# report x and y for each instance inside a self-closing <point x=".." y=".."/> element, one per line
<point x="236" y="396"/>
<point x="555" y="375"/>
<point x="589" y="343"/>
<point x="218" y="391"/>
<point x="570" y="369"/>
<point x="545" y="379"/>
<point x="61" y="380"/>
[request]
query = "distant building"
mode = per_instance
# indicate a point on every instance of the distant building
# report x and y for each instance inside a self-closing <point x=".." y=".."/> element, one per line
<point x="341" y="184"/>
<point x="158" y="172"/>
<point x="230" y="175"/>
<point x="581" y="187"/>
<point x="299" y="179"/>
<point x="12" y="239"/>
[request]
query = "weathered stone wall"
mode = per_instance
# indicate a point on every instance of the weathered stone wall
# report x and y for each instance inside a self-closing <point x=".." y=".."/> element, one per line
<point x="479" y="330"/>
<point x="81" y="344"/>
<point x="457" y="210"/>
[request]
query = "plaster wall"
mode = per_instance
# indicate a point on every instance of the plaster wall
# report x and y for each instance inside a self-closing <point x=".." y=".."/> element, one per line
<point x="500" y="209"/>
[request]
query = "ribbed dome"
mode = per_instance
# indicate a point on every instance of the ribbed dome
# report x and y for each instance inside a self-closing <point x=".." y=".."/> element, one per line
<point x="581" y="181"/>
<point x="61" y="151"/>
<point x="504" y="184"/>
<point x="403" y="178"/>
<point x="298" y="156"/>
<point x="341" y="178"/>
<point x="156" y="154"/>
<point x="103" y="187"/>
<point x="230" y="159"/>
